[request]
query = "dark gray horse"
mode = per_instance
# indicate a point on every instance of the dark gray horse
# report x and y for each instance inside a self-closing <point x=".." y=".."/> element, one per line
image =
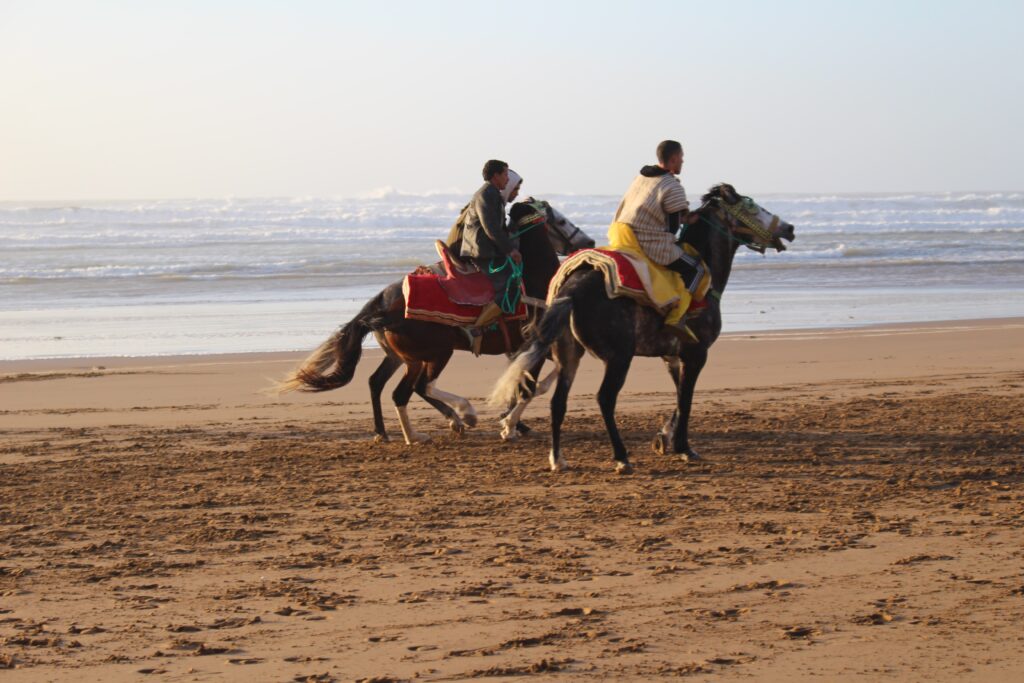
<point x="583" y="317"/>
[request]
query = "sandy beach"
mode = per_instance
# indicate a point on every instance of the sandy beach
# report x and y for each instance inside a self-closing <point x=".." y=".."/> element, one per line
<point x="859" y="516"/>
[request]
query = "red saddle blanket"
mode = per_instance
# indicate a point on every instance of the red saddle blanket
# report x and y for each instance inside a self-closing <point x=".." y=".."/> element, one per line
<point x="455" y="298"/>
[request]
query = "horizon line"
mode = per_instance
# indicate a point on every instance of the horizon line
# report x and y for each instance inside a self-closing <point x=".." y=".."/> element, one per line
<point x="384" y="193"/>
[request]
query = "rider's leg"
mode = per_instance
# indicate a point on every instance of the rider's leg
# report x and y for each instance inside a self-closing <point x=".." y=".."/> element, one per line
<point x="690" y="268"/>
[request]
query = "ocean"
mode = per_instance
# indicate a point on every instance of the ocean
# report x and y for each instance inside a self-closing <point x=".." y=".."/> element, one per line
<point x="203" y="276"/>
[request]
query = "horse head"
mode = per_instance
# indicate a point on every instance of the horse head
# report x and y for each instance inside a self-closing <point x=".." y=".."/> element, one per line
<point x="745" y="220"/>
<point x="565" y="237"/>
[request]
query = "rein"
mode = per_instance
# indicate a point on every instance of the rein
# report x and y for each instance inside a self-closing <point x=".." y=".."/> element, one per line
<point x="533" y="301"/>
<point x="513" y="286"/>
<point x="526" y="229"/>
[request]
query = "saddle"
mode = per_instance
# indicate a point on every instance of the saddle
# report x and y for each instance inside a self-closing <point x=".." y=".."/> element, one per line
<point x="463" y="282"/>
<point x="457" y="294"/>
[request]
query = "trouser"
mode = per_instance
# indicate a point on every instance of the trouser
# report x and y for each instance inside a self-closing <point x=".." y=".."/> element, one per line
<point x="691" y="269"/>
<point x="499" y="280"/>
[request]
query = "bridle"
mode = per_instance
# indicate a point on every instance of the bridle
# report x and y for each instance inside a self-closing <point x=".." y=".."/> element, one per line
<point x="543" y="214"/>
<point x="751" y="233"/>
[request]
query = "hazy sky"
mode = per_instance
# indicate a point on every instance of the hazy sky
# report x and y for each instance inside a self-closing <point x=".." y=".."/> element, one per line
<point x="206" y="99"/>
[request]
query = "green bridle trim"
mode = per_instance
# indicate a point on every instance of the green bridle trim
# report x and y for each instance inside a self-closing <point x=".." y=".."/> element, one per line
<point x="745" y="219"/>
<point x="748" y="225"/>
<point x="531" y="221"/>
<point x="714" y="223"/>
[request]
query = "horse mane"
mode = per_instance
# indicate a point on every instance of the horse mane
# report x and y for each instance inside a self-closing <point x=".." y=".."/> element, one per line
<point x="697" y="235"/>
<point x="521" y="209"/>
<point x="718" y="191"/>
<point x="518" y="210"/>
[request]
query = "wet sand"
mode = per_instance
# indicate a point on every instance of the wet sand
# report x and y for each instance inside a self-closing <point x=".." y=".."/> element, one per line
<point x="859" y="516"/>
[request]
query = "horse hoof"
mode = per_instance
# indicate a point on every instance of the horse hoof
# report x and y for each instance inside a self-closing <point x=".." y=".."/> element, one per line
<point x="690" y="455"/>
<point x="506" y="432"/>
<point x="469" y="419"/>
<point x="623" y="468"/>
<point x="660" y="443"/>
<point x="381" y="438"/>
<point x="522" y="428"/>
<point x="558" y="464"/>
<point x="457" y="427"/>
<point x="417" y="438"/>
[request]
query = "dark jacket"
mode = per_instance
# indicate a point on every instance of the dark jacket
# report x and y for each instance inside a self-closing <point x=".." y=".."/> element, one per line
<point x="484" y="234"/>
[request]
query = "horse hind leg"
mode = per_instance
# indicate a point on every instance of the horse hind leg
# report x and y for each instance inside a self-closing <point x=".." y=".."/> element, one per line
<point x="401" y="396"/>
<point x="511" y="422"/>
<point x="568" y="353"/>
<point x="388" y="366"/>
<point x="663" y="439"/>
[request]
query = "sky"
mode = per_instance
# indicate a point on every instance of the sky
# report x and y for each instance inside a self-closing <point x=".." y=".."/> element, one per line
<point x="129" y="100"/>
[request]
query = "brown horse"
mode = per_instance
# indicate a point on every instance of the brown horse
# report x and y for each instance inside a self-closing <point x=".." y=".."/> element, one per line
<point x="425" y="348"/>
<point x="583" y="317"/>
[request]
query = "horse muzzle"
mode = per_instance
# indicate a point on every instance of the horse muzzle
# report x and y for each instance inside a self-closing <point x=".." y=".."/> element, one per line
<point x="786" y="232"/>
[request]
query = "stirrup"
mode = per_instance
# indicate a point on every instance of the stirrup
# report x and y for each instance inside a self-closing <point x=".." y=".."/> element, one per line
<point x="475" y="337"/>
<point x="683" y="332"/>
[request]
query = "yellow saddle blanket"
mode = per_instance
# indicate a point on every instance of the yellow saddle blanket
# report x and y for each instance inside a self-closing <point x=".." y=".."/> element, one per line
<point x="664" y="287"/>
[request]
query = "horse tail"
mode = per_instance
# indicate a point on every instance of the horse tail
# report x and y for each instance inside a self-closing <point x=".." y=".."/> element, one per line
<point x="552" y="325"/>
<point x="334" y="362"/>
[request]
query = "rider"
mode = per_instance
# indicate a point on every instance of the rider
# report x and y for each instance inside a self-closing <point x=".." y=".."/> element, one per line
<point x="655" y="206"/>
<point x="485" y="237"/>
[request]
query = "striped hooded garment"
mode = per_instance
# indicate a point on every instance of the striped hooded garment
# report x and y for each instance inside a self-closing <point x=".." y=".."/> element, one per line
<point x="651" y="208"/>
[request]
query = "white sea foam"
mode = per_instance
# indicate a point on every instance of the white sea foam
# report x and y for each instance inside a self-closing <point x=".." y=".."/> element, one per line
<point x="66" y="269"/>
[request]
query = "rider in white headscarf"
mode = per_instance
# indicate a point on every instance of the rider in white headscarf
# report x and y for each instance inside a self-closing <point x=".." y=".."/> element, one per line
<point x="508" y="195"/>
<point x="511" y="191"/>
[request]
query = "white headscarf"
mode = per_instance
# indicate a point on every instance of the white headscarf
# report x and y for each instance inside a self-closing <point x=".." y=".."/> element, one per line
<point x="514" y="181"/>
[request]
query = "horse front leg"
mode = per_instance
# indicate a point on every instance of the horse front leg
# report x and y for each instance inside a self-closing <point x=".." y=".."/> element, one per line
<point x="455" y="423"/>
<point x="387" y="368"/>
<point x="615" y="373"/>
<point x="694" y="358"/>
<point x="460" y="412"/>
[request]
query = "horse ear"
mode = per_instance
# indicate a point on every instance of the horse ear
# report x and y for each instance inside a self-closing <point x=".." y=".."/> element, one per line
<point x="729" y="193"/>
